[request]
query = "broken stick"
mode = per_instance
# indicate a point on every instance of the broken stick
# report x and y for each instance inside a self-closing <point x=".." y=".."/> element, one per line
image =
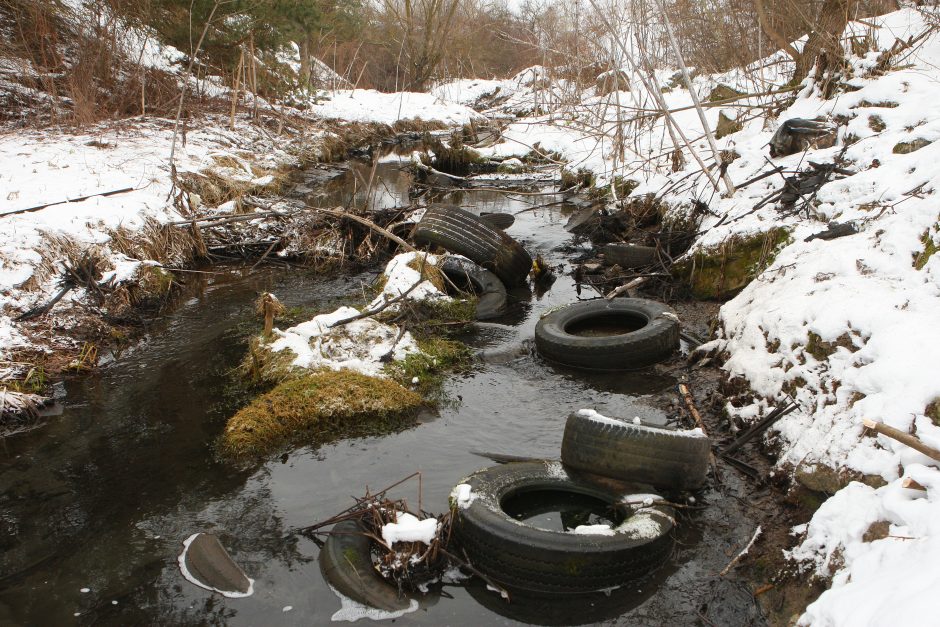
<point x="903" y="438"/>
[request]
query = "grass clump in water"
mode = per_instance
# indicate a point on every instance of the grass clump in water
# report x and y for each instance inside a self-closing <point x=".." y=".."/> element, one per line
<point x="424" y="372"/>
<point x="318" y="408"/>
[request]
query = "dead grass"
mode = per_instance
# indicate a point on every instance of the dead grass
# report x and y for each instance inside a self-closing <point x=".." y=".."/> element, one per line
<point x="316" y="409"/>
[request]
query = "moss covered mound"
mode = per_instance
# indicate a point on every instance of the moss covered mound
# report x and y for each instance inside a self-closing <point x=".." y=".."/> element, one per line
<point x="315" y="409"/>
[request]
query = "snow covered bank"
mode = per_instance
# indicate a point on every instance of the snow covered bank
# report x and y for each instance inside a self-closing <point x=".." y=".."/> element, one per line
<point x="109" y="191"/>
<point x="368" y="105"/>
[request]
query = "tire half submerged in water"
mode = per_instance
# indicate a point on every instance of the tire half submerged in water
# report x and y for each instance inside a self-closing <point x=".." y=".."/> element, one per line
<point x="490" y="291"/>
<point x="665" y="458"/>
<point x="619" y="334"/>
<point x="523" y="556"/>
<point x="461" y="232"/>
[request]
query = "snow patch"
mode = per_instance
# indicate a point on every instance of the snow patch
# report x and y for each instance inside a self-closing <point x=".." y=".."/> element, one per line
<point x="408" y="528"/>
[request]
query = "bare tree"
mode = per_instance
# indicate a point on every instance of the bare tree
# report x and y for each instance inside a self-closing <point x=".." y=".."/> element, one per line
<point x="823" y="45"/>
<point x="420" y="29"/>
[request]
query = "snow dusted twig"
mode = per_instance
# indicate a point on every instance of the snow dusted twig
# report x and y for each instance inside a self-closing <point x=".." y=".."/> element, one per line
<point x="179" y="108"/>
<point x="904" y="438"/>
<point x="626" y="287"/>
<point x="696" y="103"/>
<point x="737" y="557"/>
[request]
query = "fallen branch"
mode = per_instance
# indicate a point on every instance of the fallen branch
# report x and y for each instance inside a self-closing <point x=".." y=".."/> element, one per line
<point x="369" y="223"/>
<point x="904" y="438"/>
<point x="386" y="304"/>
<point x="738" y="557"/>
<point x="779" y="412"/>
<point x="697" y="417"/>
<point x="626" y="287"/>
<point x="430" y="170"/>
<point x="113" y="192"/>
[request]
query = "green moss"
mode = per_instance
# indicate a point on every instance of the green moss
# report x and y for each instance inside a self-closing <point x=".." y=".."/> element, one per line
<point x="581" y="179"/>
<point x="930" y="247"/>
<point x="438" y="357"/>
<point x="315" y="409"/>
<point x="906" y="148"/>
<point x="351" y="556"/>
<point x="264" y="367"/>
<point x="721" y="272"/>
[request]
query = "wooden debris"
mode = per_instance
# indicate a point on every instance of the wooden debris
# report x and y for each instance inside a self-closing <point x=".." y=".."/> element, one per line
<point x="904" y="438"/>
<point x="759" y="427"/>
<point x="910" y="484"/>
<point x="744" y="552"/>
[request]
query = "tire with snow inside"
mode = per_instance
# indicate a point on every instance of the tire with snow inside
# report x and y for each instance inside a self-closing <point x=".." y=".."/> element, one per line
<point x="619" y="334"/>
<point x="491" y="293"/>
<point x="461" y="232"/>
<point x="346" y="563"/>
<point x="665" y="458"/>
<point x="525" y="557"/>
<point x="629" y="255"/>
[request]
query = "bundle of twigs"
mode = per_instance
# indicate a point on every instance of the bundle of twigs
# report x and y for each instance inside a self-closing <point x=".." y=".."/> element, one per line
<point x="408" y="565"/>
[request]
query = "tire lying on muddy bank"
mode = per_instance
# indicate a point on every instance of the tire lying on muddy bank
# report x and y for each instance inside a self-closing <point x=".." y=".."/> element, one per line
<point x="463" y="233"/>
<point x="620" y="334"/>
<point x="588" y="557"/>
<point x="490" y="291"/>
<point x="667" y="459"/>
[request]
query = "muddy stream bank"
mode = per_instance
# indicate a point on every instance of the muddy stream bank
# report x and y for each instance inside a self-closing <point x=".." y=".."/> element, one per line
<point x="101" y="498"/>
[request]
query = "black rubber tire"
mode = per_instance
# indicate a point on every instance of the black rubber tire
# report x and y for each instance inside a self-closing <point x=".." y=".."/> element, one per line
<point x="629" y="255"/>
<point x="346" y="563"/>
<point x="652" y="343"/>
<point x="490" y="291"/>
<point x="461" y="232"/>
<point x="522" y="557"/>
<point x="497" y="220"/>
<point x="664" y="458"/>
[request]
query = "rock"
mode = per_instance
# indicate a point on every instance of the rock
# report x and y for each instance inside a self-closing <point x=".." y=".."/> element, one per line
<point x="726" y="126"/>
<point x="822" y="478"/>
<point x="906" y="148"/>
<point x="206" y="561"/>
<point x="798" y="134"/>
<point x="723" y="92"/>
<point x="611" y="81"/>
<point x="877" y="531"/>
<point x="511" y="166"/>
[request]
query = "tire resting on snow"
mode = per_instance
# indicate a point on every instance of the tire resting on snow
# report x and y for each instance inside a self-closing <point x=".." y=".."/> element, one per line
<point x="643" y="347"/>
<point x="629" y="255"/>
<point x="346" y="563"/>
<point x="491" y="293"/>
<point x="540" y="561"/>
<point x="667" y="459"/>
<point x="461" y="232"/>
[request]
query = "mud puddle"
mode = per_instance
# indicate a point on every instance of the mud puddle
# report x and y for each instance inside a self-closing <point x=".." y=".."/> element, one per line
<point x="95" y="505"/>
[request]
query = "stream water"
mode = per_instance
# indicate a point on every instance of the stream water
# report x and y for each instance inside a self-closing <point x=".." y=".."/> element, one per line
<point x="94" y="505"/>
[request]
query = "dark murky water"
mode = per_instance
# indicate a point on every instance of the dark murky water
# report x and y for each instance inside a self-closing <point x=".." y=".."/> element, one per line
<point x="102" y="497"/>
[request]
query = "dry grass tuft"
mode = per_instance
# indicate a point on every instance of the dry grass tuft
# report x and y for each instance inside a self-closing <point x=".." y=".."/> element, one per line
<point x="316" y="409"/>
<point x="19" y="411"/>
